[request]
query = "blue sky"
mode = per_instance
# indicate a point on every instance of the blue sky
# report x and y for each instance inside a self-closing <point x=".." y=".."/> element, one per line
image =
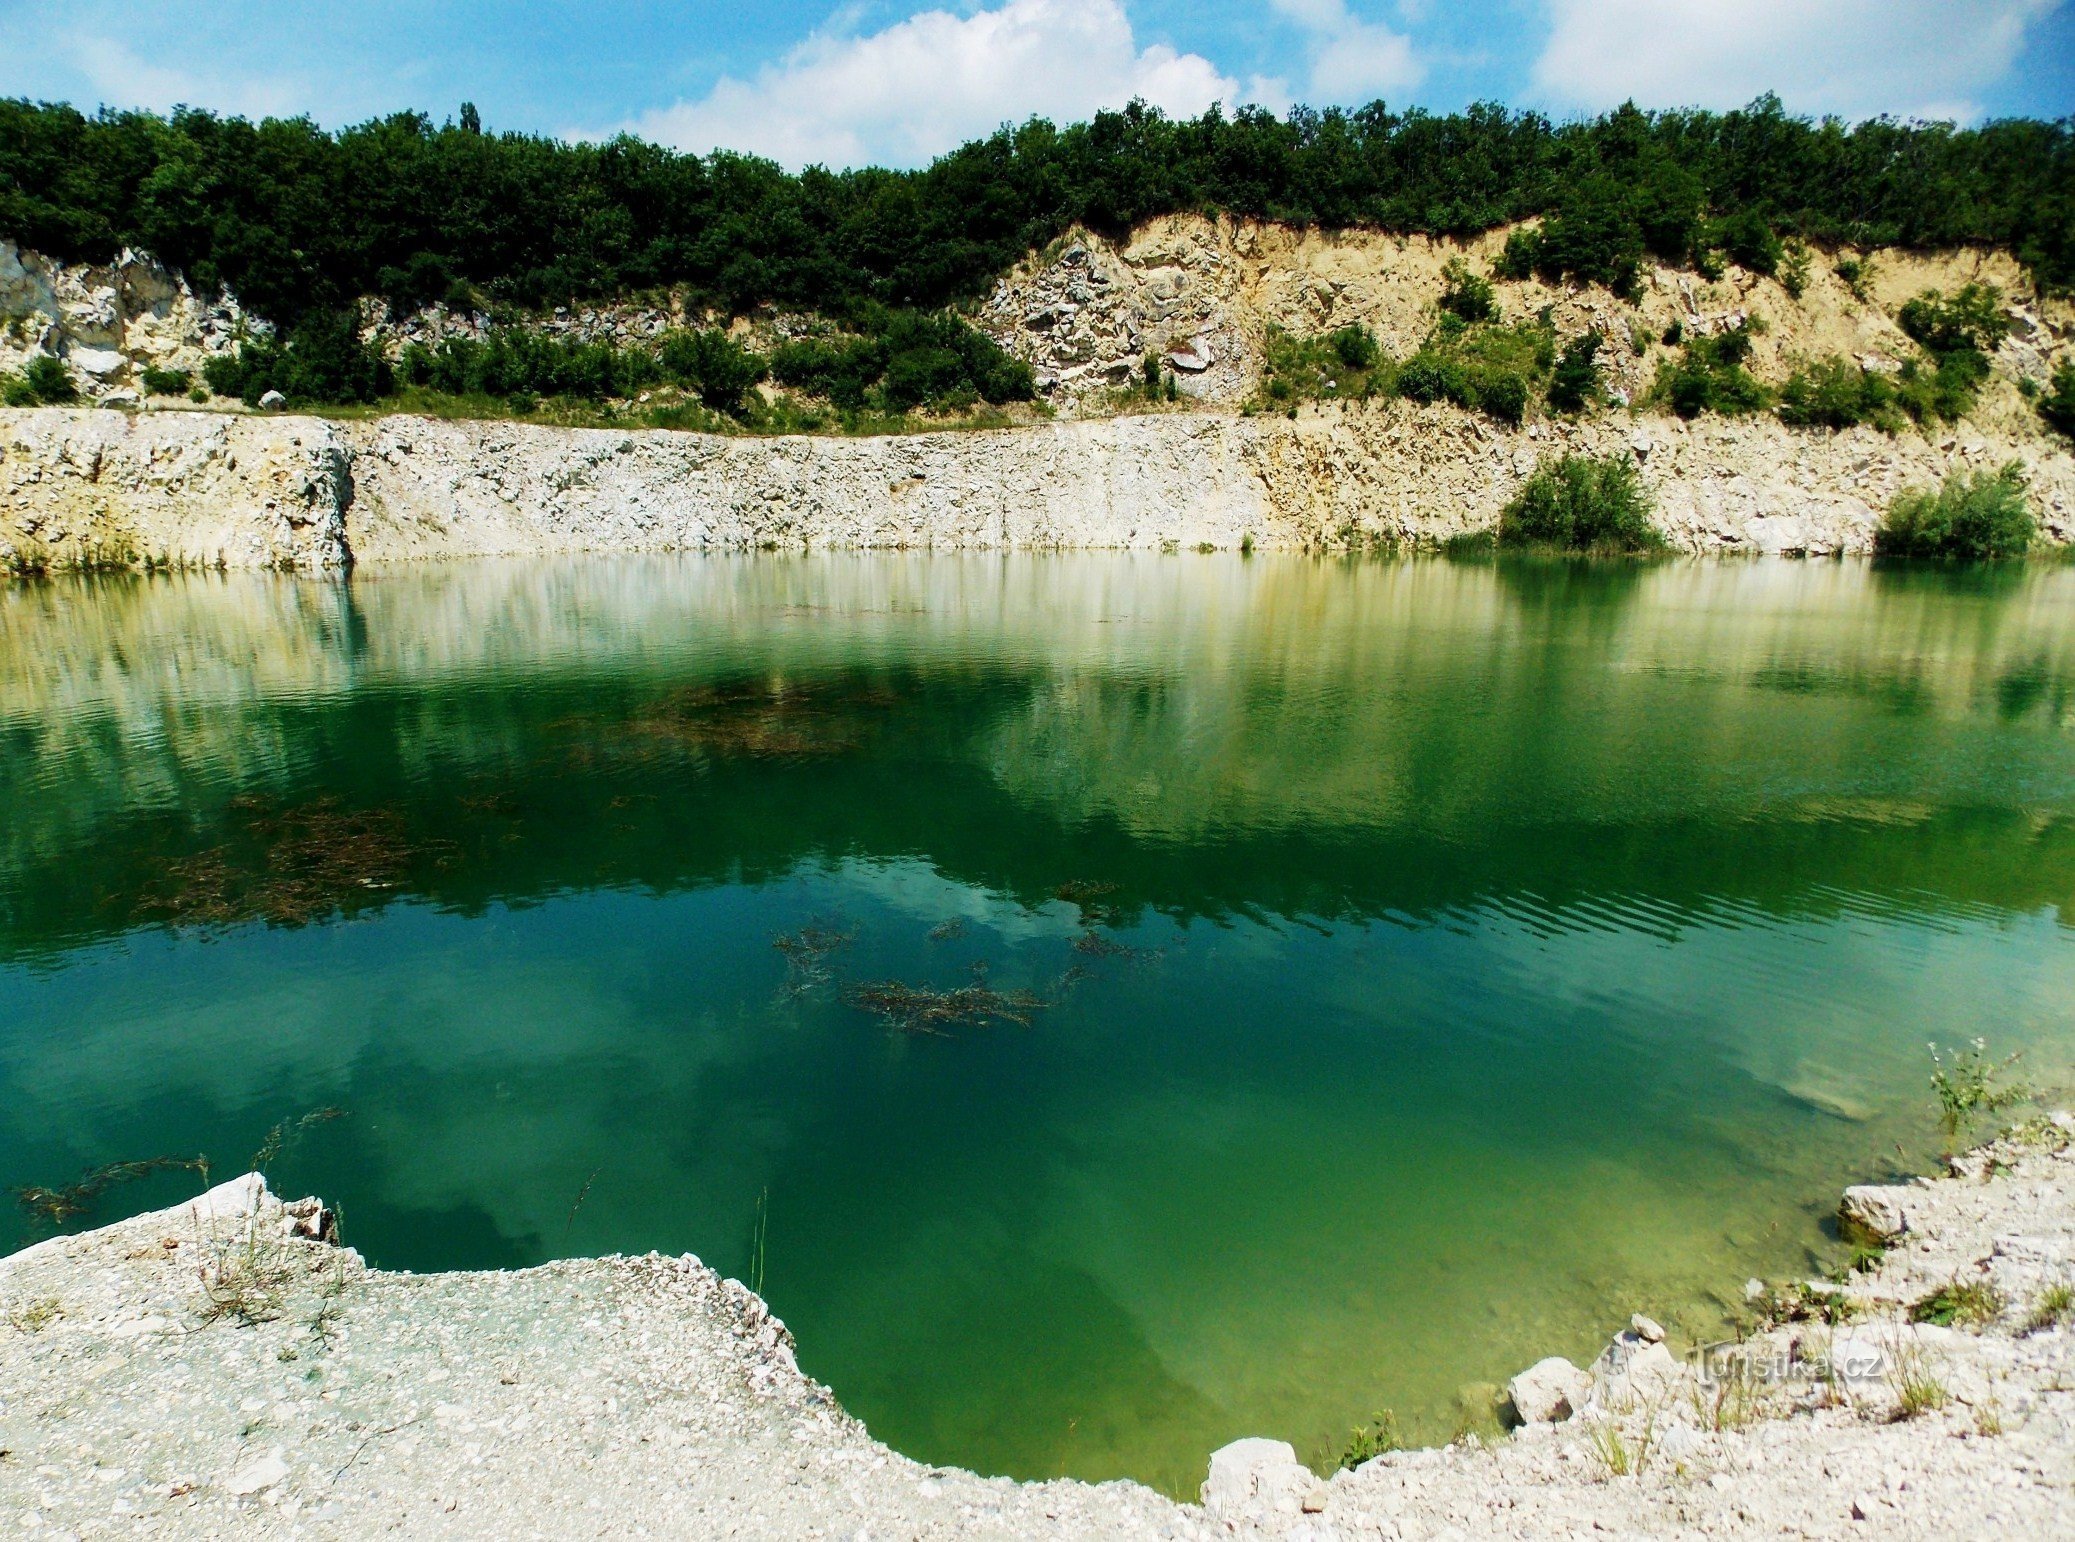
<point x="896" y="81"/>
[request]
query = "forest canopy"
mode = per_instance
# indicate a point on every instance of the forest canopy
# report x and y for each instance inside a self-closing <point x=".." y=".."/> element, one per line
<point x="295" y="218"/>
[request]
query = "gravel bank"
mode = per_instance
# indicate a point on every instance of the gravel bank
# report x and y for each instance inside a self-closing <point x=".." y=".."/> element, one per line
<point x="217" y="1370"/>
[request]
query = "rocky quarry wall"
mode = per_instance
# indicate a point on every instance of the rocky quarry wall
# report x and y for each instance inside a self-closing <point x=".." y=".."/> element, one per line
<point x="83" y="487"/>
<point x="87" y="486"/>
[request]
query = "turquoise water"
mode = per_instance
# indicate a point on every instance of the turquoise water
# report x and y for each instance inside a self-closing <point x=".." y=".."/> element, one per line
<point x="1453" y="957"/>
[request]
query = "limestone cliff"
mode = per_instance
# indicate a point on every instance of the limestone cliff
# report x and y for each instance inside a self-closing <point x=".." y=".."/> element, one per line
<point x="87" y="487"/>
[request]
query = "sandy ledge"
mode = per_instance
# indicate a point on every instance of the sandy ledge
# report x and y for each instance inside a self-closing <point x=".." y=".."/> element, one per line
<point x="216" y="1370"/>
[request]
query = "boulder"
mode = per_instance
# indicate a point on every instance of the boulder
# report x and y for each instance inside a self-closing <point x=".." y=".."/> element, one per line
<point x="1548" y="1391"/>
<point x="1873" y="1216"/>
<point x="273" y="399"/>
<point x="1256" y="1474"/>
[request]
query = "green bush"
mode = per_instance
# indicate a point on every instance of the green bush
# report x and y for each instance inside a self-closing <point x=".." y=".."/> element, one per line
<point x="1970" y="320"/>
<point x="50" y="380"/>
<point x="1794" y="269"/>
<point x="713" y="366"/>
<point x="1748" y="237"/>
<point x="1856" y="274"/>
<point x="1837" y="393"/>
<point x="17" y="392"/>
<point x="2057" y="403"/>
<point x="1576" y="382"/>
<point x="1973" y="515"/>
<point x="1490" y="368"/>
<point x="1709" y="376"/>
<point x="166" y="382"/>
<point x="1345" y="364"/>
<point x="323" y="360"/>
<point x="1584" y="504"/>
<point x="1467" y="295"/>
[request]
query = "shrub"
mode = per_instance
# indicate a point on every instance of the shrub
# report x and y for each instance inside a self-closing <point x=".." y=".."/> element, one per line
<point x="1346" y="363"/>
<point x="1356" y="346"/>
<point x="1794" y="269"/>
<point x="1856" y="273"/>
<point x="1488" y="368"/>
<point x="1748" y="237"/>
<point x="713" y="366"/>
<point x="1710" y="377"/>
<point x="1973" y="515"/>
<point x="2057" y="403"/>
<point x="1466" y="294"/>
<point x="323" y="360"/>
<point x="1576" y="383"/>
<point x="1593" y="235"/>
<point x="1837" y="393"/>
<point x="1521" y="256"/>
<point x="16" y="392"/>
<point x="1580" y="503"/>
<point x="50" y="380"/>
<point x="166" y="382"/>
<point x="1971" y="319"/>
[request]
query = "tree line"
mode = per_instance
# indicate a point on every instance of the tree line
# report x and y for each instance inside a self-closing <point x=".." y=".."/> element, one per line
<point x="296" y="219"/>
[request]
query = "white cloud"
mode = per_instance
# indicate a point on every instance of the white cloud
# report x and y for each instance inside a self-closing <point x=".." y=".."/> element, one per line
<point x="122" y="77"/>
<point x="1351" y="60"/>
<point x="924" y="85"/>
<point x="1857" y="58"/>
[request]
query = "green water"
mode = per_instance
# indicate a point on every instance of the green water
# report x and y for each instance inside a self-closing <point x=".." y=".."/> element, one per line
<point x="1509" y="947"/>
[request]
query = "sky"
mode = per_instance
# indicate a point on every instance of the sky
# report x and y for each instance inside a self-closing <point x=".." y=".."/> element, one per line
<point x="895" y="82"/>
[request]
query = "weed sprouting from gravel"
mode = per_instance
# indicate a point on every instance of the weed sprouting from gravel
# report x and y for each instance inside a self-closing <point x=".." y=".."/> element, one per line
<point x="1914" y="1380"/>
<point x="1972" y="1303"/>
<point x="2055" y="1306"/>
<point x="1367" y="1441"/>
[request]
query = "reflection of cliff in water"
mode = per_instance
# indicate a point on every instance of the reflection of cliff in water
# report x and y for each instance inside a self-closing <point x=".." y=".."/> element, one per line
<point x="1283" y="735"/>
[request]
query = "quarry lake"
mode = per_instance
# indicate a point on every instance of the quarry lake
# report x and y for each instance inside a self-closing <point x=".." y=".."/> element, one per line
<point x="1109" y="1005"/>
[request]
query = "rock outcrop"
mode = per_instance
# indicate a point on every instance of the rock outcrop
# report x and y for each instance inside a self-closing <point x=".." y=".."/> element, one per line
<point x="107" y="324"/>
<point x="85" y="487"/>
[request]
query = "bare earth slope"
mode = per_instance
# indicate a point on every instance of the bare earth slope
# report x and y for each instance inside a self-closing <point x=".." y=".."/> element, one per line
<point x="213" y="1371"/>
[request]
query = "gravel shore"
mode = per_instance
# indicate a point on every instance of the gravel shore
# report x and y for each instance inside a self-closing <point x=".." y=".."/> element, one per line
<point x="220" y="1369"/>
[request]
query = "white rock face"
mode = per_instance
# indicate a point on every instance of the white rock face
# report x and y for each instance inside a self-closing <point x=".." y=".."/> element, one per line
<point x="109" y="323"/>
<point x="1549" y="1391"/>
<point x="193" y="488"/>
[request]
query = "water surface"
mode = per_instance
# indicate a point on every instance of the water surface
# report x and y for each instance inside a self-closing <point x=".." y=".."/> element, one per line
<point x="1451" y="958"/>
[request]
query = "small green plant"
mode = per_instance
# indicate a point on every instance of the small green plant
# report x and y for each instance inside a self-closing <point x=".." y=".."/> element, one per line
<point x="1368" y="1441"/>
<point x="1856" y="274"/>
<point x="1794" y="269"/>
<point x="51" y="381"/>
<point x="2056" y="404"/>
<point x="1576" y="382"/>
<point x="1971" y="318"/>
<point x="2055" y="1306"/>
<point x="1838" y="393"/>
<point x="1466" y="294"/>
<point x="1970" y="1303"/>
<point x="1581" y="504"/>
<point x="1732" y="1398"/>
<point x="1914" y="1379"/>
<point x="165" y="382"/>
<point x="1710" y="376"/>
<point x="1974" y="515"/>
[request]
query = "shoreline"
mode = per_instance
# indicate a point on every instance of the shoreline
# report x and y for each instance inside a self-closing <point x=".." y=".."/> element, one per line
<point x="83" y="487"/>
<point x="221" y="1369"/>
